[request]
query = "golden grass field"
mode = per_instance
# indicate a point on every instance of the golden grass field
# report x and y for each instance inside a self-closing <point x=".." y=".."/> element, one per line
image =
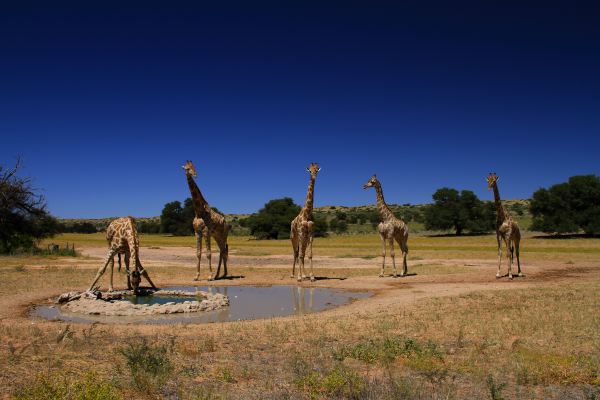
<point x="451" y="331"/>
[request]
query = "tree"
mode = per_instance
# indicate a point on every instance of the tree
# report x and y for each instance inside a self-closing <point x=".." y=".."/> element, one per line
<point x="172" y="220"/>
<point x="149" y="227"/>
<point x="338" y="225"/>
<point x="458" y="211"/>
<point x="23" y="216"/>
<point x="320" y="228"/>
<point x="568" y="207"/>
<point x="273" y="220"/>
<point x="177" y="219"/>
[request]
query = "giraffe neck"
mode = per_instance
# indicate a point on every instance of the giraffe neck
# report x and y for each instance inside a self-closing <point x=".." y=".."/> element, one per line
<point x="384" y="210"/>
<point x="201" y="207"/>
<point x="308" y="203"/>
<point x="500" y="211"/>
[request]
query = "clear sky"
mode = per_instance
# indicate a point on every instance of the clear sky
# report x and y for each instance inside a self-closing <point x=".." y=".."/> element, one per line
<point x="106" y="101"/>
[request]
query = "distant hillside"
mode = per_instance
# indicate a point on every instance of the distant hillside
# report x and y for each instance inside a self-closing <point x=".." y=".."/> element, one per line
<point x="360" y="218"/>
<point x="102" y="223"/>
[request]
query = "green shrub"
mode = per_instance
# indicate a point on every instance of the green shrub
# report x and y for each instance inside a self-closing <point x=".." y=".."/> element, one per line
<point x="61" y="387"/>
<point x="148" y="365"/>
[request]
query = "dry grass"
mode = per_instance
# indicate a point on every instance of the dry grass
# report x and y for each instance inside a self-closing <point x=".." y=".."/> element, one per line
<point x="542" y="341"/>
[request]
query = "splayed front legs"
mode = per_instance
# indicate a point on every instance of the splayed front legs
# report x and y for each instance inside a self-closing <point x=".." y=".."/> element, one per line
<point x="109" y="260"/>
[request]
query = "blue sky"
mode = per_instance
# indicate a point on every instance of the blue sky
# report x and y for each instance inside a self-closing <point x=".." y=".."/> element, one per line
<point x="106" y="101"/>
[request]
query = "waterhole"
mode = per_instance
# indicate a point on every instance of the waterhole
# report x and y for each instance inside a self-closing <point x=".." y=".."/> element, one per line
<point x="245" y="302"/>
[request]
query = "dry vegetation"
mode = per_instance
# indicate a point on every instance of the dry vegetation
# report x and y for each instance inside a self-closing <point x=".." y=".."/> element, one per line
<point x="451" y="331"/>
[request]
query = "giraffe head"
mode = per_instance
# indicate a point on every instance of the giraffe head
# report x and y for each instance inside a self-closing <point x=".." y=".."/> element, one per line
<point x="135" y="280"/>
<point x="371" y="182"/>
<point x="313" y="169"/>
<point x="190" y="169"/>
<point x="492" y="179"/>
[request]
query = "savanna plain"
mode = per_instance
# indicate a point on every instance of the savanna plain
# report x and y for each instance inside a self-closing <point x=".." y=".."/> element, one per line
<point x="450" y="330"/>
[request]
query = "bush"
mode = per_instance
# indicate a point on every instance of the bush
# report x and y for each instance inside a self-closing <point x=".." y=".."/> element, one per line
<point x="273" y="220"/>
<point x="568" y="207"/>
<point x="89" y="387"/>
<point x="459" y="211"/>
<point x="148" y="365"/>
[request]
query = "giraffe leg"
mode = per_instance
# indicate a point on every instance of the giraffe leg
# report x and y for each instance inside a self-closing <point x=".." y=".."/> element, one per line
<point x="218" y="266"/>
<point x="302" y="250"/>
<point x="393" y="255"/>
<point x="145" y="274"/>
<point x="294" y="239"/>
<point x="517" y="244"/>
<point x="198" y="253"/>
<point x="109" y="257"/>
<point x="382" y="255"/>
<point x="127" y="270"/>
<point x="404" y="249"/>
<point x="225" y="259"/>
<point x="296" y="253"/>
<point x="310" y="256"/>
<point x="222" y="259"/>
<point x="509" y="251"/>
<point x="112" y="270"/>
<point x="499" y="255"/>
<point x="209" y="256"/>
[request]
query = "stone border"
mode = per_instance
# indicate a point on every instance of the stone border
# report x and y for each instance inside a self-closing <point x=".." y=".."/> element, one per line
<point x="111" y="303"/>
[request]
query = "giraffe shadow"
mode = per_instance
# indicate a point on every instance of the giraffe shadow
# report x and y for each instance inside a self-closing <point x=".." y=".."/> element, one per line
<point x="514" y="276"/>
<point x="229" y="277"/>
<point x="327" y="278"/>
<point x="398" y="276"/>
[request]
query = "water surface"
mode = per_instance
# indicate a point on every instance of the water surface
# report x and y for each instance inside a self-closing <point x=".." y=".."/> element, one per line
<point x="245" y="302"/>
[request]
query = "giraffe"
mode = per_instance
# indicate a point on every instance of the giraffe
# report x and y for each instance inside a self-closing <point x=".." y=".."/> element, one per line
<point x="507" y="230"/>
<point x="215" y="224"/>
<point x="390" y="228"/>
<point x="122" y="238"/>
<point x="302" y="228"/>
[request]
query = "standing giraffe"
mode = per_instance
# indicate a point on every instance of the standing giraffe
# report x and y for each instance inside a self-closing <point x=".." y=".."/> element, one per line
<point x="507" y="230"/>
<point x="302" y="228"/>
<point x="122" y="238"/>
<point x="390" y="228"/>
<point x="215" y="223"/>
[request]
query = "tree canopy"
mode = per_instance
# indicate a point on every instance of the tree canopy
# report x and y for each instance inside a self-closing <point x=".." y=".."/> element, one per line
<point x="459" y="212"/>
<point x="273" y="220"/>
<point x="23" y="215"/>
<point x="176" y="218"/>
<point x="568" y="207"/>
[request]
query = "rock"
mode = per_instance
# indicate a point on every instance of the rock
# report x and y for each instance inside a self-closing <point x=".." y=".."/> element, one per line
<point x="108" y="304"/>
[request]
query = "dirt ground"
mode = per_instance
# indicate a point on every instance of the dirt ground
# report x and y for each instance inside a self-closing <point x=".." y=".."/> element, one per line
<point x="480" y="274"/>
<point x="442" y="300"/>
